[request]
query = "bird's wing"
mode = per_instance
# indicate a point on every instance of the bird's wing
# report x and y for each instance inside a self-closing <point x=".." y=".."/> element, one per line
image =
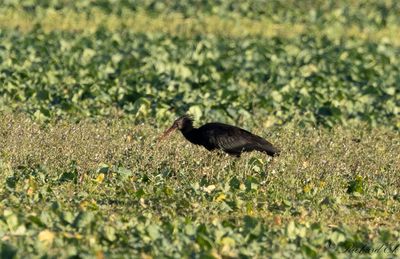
<point x="236" y="140"/>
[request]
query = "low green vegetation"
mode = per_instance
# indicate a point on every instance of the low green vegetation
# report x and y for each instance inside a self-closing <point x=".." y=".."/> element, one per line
<point x="105" y="187"/>
<point x="141" y="76"/>
<point x="86" y="87"/>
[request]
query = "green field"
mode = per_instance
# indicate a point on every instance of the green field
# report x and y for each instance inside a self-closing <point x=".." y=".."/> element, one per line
<point x="86" y="87"/>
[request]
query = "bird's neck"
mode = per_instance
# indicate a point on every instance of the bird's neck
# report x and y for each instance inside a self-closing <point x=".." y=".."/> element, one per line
<point x="190" y="134"/>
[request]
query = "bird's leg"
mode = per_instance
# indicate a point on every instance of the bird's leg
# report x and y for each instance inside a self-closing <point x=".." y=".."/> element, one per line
<point x="235" y="154"/>
<point x="232" y="162"/>
<point x="220" y="154"/>
<point x="268" y="165"/>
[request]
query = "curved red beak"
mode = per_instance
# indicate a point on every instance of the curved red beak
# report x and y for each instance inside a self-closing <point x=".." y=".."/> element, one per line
<point x="167" y="132"/>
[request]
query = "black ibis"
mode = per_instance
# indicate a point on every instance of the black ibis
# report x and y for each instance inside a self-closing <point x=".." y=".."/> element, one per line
<point x="215" y="135"/>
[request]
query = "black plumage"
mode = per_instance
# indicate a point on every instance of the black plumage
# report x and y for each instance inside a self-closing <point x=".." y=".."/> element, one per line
<point x="231" y="139"/>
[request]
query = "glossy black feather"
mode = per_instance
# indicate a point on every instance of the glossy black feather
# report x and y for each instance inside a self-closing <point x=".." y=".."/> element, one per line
<point x="231" y="139"/>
